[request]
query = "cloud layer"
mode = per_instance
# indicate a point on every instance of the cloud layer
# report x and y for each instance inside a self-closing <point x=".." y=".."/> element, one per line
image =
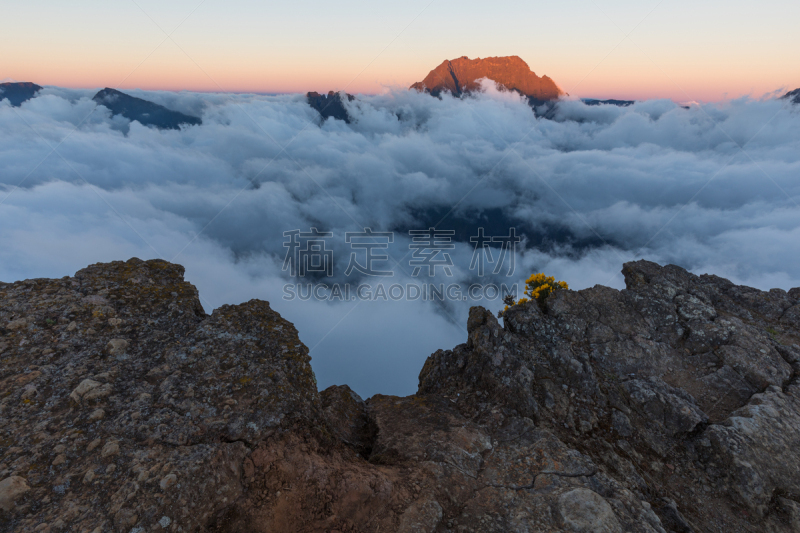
<point x="592" y="188"/>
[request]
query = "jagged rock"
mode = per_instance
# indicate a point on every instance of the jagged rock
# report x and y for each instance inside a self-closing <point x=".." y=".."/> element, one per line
<point x="669" y="406"/>
<point x="460" y="76"/>
<point x="330" y="105"/>
<point x="758" y="445"/>
<point x="689" y="378"/>
<point x="347" y="414"/>
<point x="193" y="392"/>
<point x="672" y="408"/>
<point x="794" y="96"/>
<point x="672" y="517"/>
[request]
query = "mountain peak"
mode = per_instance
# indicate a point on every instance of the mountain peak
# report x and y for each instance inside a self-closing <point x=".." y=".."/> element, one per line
<point x="18" y="92"/>
<point x="460" y="76"/>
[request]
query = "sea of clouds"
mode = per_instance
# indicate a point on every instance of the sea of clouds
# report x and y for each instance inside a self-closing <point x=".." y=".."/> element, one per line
<point x="712" y="188"/>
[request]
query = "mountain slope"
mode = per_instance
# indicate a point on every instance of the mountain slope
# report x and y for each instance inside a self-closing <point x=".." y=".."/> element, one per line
<point x="794" y="96"/>
<point x="18" y="92"/>
<point x="145" y="112"/>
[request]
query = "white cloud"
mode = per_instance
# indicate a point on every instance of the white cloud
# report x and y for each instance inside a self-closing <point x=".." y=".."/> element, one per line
<point x="596" y="186"/>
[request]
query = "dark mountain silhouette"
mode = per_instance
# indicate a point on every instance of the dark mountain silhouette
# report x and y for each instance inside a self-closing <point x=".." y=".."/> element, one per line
<point x="794" y="96"/>
<point x="619" y="103"/>
<point x="18" y="92"/>
<point x="330" y="105"/>
<point x="146" y="113"/>
<point x="460" y="76"/>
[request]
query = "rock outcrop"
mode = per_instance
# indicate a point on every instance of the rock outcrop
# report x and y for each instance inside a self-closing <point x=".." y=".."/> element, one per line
<point x="145" y="112"/>
<point x="460" y="76"/>
<point x="330" y="105"/>
<point x="18" y="92"/>
<point x="682" y="388"/>
<point x="794" y="96"/>
<point x="672" y="405"/>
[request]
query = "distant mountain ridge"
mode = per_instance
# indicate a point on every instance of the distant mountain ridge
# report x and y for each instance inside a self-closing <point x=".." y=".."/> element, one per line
<point x="18" y="92"/>
<point x="618" y="103"/>
<point x="130" y="107"/>
<point x="794" y="96"/>
<point x="145" y="112"/>
<point x="460" y="76"/>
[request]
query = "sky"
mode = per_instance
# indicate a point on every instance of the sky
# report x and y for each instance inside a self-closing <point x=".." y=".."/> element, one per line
<point x="682" y="50"/>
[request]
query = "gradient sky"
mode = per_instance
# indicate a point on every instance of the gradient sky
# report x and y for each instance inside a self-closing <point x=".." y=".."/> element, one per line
<point x="683" y="50"/>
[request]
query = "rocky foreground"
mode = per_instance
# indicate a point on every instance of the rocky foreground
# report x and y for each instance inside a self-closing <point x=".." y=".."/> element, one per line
<point x="673" y="405"/>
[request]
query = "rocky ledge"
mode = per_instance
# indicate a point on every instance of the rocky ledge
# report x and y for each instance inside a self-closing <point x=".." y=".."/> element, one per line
<point x="671" y="405"/>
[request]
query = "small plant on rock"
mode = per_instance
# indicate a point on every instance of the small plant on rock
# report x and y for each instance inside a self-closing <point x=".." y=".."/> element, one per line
<point x="537" y="287"/>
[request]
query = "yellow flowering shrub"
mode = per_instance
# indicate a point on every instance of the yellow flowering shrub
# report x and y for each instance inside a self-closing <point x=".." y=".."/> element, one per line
<point x="538" y="287"/>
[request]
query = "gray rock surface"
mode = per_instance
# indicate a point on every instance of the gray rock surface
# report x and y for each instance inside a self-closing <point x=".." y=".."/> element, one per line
<point x="669" y="406"/>
<point x="682" y="388"/>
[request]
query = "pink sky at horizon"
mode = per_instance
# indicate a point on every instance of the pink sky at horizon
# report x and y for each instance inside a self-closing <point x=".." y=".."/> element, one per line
<point x="613" y="49"/>
<point x="682" y="87"/>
